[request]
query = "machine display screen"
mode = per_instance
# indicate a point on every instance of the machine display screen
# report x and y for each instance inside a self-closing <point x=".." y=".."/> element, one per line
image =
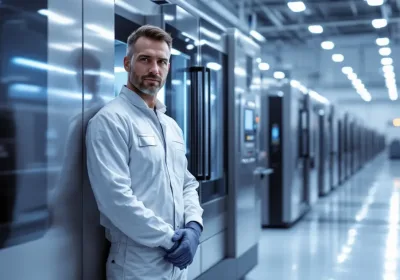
<point x="275" y="134"/>
<point x="248" y="119"/>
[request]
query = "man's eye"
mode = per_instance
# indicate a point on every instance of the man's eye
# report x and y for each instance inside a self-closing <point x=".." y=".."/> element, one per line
<point x="144" y="59"/>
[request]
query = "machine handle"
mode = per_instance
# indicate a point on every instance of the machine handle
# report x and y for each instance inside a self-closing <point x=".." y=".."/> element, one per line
<point x="208" y="71"/>
<point x="262" y="171"/>
<point x="201" y="122"/>
<point x="196" y="118"/>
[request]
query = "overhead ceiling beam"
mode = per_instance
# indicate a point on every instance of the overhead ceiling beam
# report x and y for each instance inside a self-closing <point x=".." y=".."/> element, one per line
<point x="353" y="8"/>
<point x="267" y="29"/>
<point x="275" y="3"/>
<point x="270" y="15"/>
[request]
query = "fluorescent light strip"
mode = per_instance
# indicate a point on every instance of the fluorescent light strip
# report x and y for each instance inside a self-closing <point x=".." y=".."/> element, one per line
<point x="357" y="83"/>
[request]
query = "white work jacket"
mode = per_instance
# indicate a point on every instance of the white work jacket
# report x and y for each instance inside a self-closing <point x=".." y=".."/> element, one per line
<point x="138" y="172"/>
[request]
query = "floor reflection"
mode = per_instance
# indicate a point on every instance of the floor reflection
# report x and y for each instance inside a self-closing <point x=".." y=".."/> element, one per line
<point x="351" y="234"/>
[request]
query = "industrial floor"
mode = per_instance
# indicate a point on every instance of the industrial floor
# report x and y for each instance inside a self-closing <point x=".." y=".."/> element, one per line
<point x="352" y="234"/>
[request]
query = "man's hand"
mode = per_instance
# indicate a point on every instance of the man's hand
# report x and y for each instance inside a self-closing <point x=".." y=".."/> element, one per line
<point x="188" y="239"/>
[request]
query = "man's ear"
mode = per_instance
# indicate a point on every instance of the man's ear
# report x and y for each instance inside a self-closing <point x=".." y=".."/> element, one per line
<point x="127" y="63"/>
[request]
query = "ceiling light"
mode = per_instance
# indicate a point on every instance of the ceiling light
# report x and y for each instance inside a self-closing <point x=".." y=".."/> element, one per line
<point x="356" y="82"/>
<point x="295" y="83"/>
<point x="385" y="51"/>
<point x="258" y="60"/>
<point x="317" y="29"/>
<point x="279" y="75"/>
<point x="386" y="61"/>
<point x="360" y="87"/>
<point x="388" y="68"/>
<point x="257" y="36"/>
<point x="169" y="17"/>
<point x="337" y="57"/>
<point x="362" y="91"/>
<point x="367" y="97"/>
<point x="390" y="83"/>
<point x="393" y="95"/>
<point x="297" y="6"/>
<point x="347" y="70"/>
<point x="214" y="66"/>
<point x="379" y="23"/>
<point x="389" y="75"/>
<point x="352" y="76"/>
<point x="263" y="66"/>
<point x="327" y="45"/>
<point x="382" y="41"/>
<point x="375" y="2"/>
<point x="175" y="52"/>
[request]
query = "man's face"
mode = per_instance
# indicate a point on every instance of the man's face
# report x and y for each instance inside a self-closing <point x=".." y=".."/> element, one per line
<point x="149" y="65"/>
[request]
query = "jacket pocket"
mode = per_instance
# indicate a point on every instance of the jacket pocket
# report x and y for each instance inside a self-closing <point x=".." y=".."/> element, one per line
<point x="146" y="140"/>
<point x="179" y="158"/>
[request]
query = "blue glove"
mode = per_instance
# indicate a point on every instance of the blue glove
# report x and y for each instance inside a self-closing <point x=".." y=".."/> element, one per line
<point x="189" y="241"/>
<point x="176" y="244"/>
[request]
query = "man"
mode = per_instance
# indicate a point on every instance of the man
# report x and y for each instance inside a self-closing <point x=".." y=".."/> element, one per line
<point x="138" y="171"/>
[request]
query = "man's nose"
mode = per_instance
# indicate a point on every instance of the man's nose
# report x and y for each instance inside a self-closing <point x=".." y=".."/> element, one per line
<point x="154" y="68"/>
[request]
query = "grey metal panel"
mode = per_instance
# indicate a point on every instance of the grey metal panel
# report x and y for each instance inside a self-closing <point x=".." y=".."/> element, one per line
<point x="135" y="10"/>
<point x="98" y="83"/>
<point x="315" y="150"/>
<point x="293" y="165"/>
<point x="246" y="262"/>
<point x="182" y="20"/>
<point x="212" y="36"/>
<point x="214" y="218"/>
<point x="194" y="269"/>
<point x="291" y="195"/>
<point x="243" y="212"/>
<point x="334" y="148"/>
<point x="263" y="151"/>
<point x="226" y="269"/>
<point x="63" y="239"/>
<point x="212" y="251"/>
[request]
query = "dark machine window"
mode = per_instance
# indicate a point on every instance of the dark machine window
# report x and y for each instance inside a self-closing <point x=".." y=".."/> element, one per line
<point x="23" y="114"/>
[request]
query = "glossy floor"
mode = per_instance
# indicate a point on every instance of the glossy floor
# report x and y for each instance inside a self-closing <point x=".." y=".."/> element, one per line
<point x="350" y="234"/>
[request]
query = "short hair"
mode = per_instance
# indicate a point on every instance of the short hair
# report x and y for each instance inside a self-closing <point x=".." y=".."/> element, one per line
<point x="148" y="31"/>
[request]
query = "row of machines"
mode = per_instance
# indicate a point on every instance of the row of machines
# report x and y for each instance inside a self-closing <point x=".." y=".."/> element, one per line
<point x="314" y="148"/>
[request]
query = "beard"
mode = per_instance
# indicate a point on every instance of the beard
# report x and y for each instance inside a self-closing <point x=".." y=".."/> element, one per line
<point x="152" y="89"/>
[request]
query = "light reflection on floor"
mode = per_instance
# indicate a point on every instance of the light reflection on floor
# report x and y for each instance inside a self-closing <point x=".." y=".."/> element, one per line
<point x="351" y="234"/>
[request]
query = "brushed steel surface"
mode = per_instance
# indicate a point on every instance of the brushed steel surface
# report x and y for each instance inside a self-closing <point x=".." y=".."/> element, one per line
<point x="244" y="206"/>
<point x="212" y="251"/>
<point x="98" y="86"/>
<point x="194" y="269"/>
<point x="58" y="254"/>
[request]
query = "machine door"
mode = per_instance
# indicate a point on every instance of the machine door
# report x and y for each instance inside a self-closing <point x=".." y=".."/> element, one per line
<point x="314" y="156"/>
<point x="24" y="155"/>
<point x="178" y="95"/>
<point x="215" y="94"/>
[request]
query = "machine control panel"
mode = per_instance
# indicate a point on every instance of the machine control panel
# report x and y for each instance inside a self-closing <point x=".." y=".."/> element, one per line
<point x="249" y="130"/>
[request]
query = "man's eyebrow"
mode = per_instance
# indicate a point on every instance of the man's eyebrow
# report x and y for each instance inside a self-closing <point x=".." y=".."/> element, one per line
<point x="159" y="58"/>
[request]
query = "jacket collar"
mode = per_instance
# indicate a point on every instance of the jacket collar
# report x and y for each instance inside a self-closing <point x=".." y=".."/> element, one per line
<point x="136" y="100"/>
